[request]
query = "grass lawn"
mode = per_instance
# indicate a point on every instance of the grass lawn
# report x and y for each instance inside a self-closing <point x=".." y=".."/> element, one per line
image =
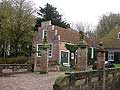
<point x="117" y="65"/>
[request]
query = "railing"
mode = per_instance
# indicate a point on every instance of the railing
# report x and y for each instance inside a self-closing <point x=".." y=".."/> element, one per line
<point x="14" y="68"/>
<point x="108" y="79"/>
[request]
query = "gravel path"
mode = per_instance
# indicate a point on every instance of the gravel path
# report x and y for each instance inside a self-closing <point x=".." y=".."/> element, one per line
<point x="29" y="81"/>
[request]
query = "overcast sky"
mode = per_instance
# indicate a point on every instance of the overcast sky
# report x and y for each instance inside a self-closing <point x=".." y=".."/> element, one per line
<point x="87" y="11"/>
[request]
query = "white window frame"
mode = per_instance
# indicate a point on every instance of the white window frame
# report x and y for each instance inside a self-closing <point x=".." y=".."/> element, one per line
<point x="38" y="50"/>
<point x="56" y="32"/>
<point x="44" y="33"/>
<point x="118" y="35"/>
<point x="50" y="50"/>
<point x="92" y="52"/>
<point x="72" y="56"/>
<point x="65" y="64"/>
<point x="110" y="56"/>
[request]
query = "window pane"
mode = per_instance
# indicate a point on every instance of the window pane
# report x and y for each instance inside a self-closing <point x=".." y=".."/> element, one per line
<point x="39" y="50"/>
<point x="50" y="45"/>
<point x="111" y="56"/>
<point x="45" y="34"/>
<point x="50" y="54"/>
<point x="50" y="50"/>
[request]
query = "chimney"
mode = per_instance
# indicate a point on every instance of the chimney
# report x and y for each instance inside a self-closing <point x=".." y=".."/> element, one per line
<point x="45" y="24"/>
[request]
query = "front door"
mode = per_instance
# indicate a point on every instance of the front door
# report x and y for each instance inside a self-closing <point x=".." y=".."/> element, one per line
<point x="64" y="58"/>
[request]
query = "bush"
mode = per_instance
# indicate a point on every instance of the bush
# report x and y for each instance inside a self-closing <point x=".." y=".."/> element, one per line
<point x="43" y="72"/>
<point x="66" y="69"/>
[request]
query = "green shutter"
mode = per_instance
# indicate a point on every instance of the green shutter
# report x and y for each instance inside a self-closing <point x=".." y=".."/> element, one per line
<point x="92" y="60"/>
<point x="106" y="56"/>
<point x="89" y="55"/>
<point x="116" y="57"/>
<point x="95" y="54"/>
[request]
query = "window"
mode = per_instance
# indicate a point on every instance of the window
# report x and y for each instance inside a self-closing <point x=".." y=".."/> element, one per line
<point x="92" y="52"/>
<point x="44" y="34"/>
<point x="38" y="50"/>
<point x="119" y="35"/>
<point x="72" y="56"/>
<point x="50" y="51"/>
<point x="110" y="56"/>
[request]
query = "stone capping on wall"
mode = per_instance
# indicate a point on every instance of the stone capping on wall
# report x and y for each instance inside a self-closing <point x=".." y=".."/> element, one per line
<point x="15" y="68"/>
<point x="107" y="79"/>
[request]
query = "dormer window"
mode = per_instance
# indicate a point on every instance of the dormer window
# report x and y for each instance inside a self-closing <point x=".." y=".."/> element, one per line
<point x="119" y="35"/>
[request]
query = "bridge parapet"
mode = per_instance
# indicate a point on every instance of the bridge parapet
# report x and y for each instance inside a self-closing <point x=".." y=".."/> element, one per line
<point x="107" y="79"/>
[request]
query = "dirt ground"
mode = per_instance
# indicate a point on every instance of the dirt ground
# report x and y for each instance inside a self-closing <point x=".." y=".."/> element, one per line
<point x="29" y="81"/>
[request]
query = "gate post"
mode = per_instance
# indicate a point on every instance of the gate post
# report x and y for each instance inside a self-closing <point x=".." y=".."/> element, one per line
<point x="41" y="63"/>
<point x="100" y="56"/>
<point x="82" y="53"/>
<point x="101" y="63"/>
<point x="44" y="58"/>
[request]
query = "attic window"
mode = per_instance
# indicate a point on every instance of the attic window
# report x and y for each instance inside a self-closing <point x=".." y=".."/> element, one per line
<point x="45" y="34"/>
<point x="119" y="35"/>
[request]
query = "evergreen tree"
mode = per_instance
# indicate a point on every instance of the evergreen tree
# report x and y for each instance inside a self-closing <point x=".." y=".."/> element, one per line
<point x="50" y="13"/>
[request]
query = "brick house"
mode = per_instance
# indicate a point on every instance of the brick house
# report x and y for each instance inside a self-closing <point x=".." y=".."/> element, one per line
<point x="111" y="44"/>
<point x="57" y="38"/>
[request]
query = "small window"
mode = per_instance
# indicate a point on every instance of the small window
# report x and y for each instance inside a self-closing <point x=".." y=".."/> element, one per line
<point x="38" y="50"/>
<point x="45" y="34"/>
<point x="110" y="56"/>
<point x="119" y="35"/>
<point x="72" y="56"/>
<point x="50" y="51"/>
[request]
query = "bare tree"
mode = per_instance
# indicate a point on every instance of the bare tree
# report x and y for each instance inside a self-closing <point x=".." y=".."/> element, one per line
<point x="80" y="26"/>
<point x="87" y="28"/>
<point x="107" y="23"/>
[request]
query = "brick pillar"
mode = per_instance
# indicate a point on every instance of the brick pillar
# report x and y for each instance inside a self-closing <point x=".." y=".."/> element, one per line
<point x="82" y="53"/>
<point x="34" y="58"/>
<point x="82" y="58"/>
<point x="44" y="61"/>
<point x="100" y="57"/>
<point x="40" y="63"/>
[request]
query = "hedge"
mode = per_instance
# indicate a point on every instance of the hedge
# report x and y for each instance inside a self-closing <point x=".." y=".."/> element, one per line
<point x="15" y="60"/>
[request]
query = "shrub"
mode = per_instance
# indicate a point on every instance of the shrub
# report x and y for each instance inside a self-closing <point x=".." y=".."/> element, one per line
<point x="43" y="72"/>
<point x="65" y="68"/>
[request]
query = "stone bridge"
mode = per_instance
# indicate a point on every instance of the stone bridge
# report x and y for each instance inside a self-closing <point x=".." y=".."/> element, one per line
<point x="107" y="79"/>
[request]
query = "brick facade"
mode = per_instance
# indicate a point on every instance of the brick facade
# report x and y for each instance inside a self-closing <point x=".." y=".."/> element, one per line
<point x="58" y="37"/>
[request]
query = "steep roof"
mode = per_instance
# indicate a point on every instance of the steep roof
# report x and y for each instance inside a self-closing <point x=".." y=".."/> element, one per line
<point x="111" y="40"/>
<point x="72" y="36"/>
<point x="68" y="35"/>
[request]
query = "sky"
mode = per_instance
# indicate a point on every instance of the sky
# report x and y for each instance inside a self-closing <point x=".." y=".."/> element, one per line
<point x="86" y="11"/>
